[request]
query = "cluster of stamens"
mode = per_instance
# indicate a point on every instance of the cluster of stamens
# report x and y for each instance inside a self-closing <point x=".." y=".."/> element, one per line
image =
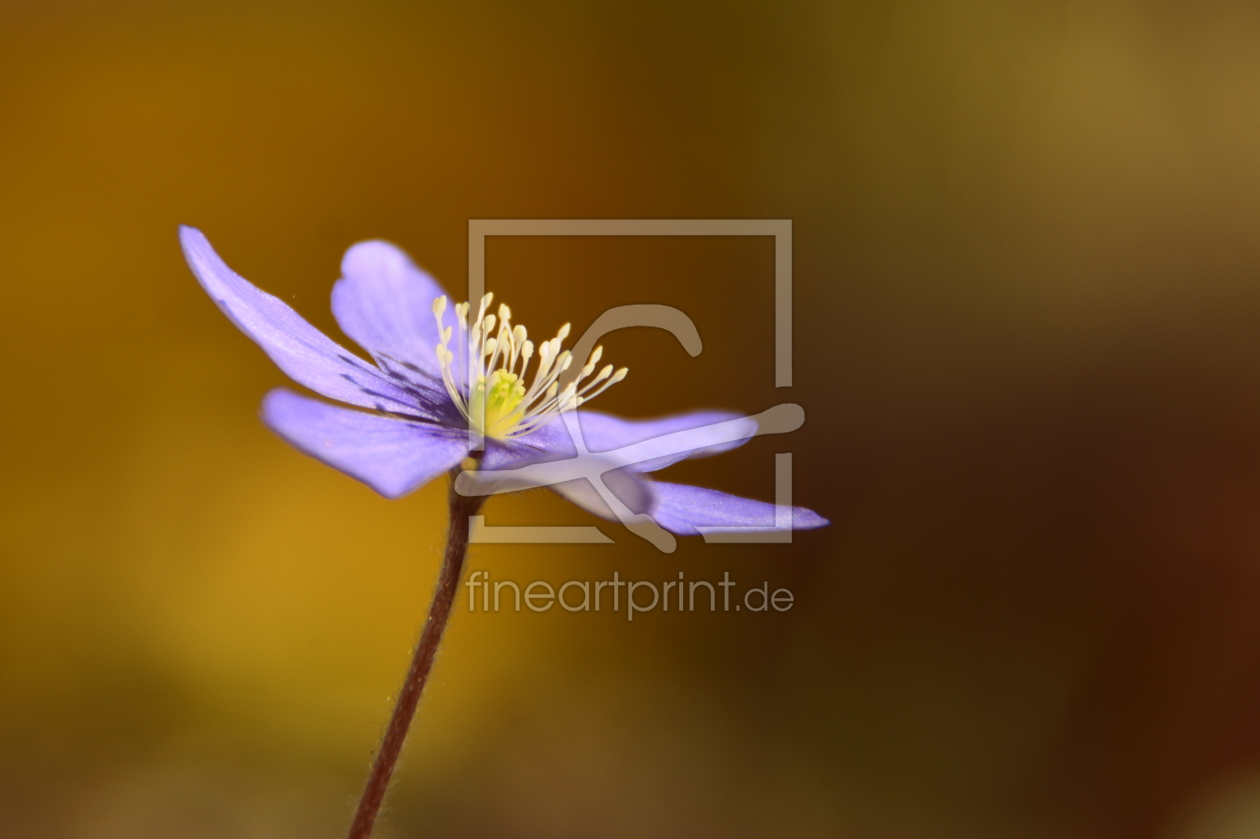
<point x="498" y="404"/>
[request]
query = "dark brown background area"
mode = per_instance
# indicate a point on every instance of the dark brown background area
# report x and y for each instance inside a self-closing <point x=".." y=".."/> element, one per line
<point x="1027" y="343"/>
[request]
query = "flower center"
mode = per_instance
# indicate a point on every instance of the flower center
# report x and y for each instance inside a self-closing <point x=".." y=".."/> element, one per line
<point x="498" y="403"/>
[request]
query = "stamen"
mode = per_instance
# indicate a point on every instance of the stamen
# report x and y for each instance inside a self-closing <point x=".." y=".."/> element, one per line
<point x="500" y="405"/>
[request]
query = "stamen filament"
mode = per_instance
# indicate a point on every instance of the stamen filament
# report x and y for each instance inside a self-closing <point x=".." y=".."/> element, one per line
<point x="498" y="403"/>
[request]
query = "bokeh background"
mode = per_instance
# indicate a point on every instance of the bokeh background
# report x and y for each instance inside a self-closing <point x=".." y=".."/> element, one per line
<point x="1027" y="261"/>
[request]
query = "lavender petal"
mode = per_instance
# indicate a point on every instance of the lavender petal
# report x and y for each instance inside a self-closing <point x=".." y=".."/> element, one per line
<point x="681" y="509"/>
<point x="393" y="456"/>
<point x="385" y="303"/>
<point x="644" y="445"/>
<point x="297" y="348"/>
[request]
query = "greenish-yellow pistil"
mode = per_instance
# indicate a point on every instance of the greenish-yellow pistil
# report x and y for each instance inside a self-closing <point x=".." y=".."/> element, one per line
<point x="498" y="403"/>
<point x="498" y="400"/>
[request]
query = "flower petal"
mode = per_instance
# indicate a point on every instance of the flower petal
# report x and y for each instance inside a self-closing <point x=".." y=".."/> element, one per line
<point x="393" y="456"/>
<point x="297" y="348"/>
<point x="707" y="433"/>
<point x="385" y="303"/>
<point x="645" y="445"/>
<point x="681" y="509"/>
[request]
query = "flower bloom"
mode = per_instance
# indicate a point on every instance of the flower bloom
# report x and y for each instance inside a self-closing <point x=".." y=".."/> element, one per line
<point x="407" y="417"/>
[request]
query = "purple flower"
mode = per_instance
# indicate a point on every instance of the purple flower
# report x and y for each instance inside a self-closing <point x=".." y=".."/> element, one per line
<point x="410" y="413"/>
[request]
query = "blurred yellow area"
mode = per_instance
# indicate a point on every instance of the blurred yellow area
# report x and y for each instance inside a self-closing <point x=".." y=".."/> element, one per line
<point x="1026" y="252"/>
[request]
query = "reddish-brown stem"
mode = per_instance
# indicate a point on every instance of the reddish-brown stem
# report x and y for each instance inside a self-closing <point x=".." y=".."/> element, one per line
<point x="421" y="663"/>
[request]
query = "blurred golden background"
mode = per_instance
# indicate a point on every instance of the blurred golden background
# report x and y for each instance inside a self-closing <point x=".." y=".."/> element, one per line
<point x="1027" y="337"/>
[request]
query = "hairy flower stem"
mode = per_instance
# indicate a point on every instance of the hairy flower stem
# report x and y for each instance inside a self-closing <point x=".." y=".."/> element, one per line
<point x="421" y="663"/>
